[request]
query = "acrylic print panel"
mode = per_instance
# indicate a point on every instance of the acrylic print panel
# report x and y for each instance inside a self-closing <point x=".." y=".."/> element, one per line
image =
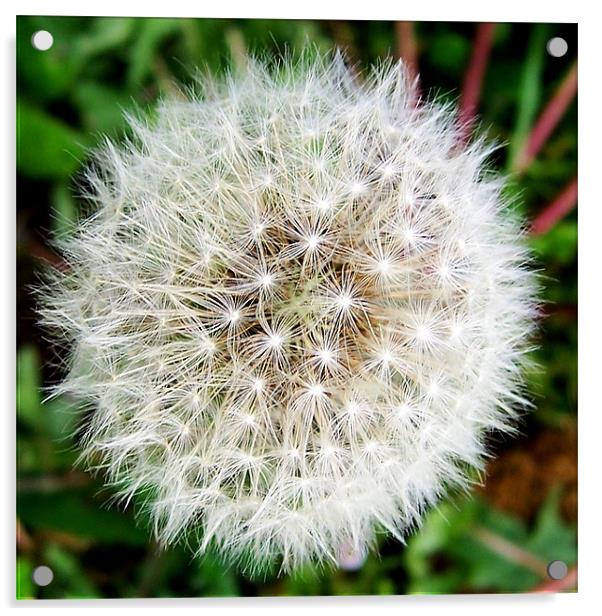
<point x="280" y="330"/>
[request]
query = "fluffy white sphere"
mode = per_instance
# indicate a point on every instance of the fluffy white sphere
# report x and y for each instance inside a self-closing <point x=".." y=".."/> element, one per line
<point x="296" y="311"/>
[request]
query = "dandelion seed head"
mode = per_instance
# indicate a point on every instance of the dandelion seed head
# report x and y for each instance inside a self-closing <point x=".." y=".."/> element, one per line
<point x="266" y="280"/>
<point x="234" y="316"/>
<point x="388" y="170"/>
<point x="275" y="341"/>
<point x="352" y="408"/>
<point x="296" y="311"/>
<point x="423" y="333"/>
<point x="384" y="266"/>
<point x="316" y="390"/>
<point x="312" y="242"/>
<point x="344" y="301"/>
<point x="357" y="188"/>
<point x="385" y="356"/>
<point x="323" y="204"/>
<point x="326" y="356"/>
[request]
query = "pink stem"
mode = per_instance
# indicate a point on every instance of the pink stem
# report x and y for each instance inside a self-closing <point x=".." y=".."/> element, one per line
<point x="567" y="583"/>
<point x="549" y="118"/>
<point x="509" y="550"/>
<point x="557" y="210"/>
<point x="407" y="49"/>
<point x="473" y="79"/>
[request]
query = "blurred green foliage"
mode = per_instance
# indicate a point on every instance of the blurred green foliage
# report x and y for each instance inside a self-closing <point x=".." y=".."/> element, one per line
<point x="463" y="531"/>
<point x="76" y="92"/>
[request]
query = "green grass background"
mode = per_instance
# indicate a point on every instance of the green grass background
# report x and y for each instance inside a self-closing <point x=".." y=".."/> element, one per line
<point x="71" y="95"/>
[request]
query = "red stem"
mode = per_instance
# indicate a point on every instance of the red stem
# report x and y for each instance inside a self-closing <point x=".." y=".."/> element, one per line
<point x="549" y="118"/>
<point x="557" y="210"/>
<point x="43" y="253"/>
<point x="407" y="49"/>
<point x="473" y="79"/>
<point x="567" y="583"/>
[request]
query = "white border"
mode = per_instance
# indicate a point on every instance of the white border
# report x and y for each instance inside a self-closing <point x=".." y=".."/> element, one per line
<point x="439" y="10"/>
<point x="590" y="300"/>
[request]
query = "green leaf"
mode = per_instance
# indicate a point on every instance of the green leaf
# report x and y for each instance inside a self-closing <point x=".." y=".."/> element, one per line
<point x="436" y="583"/>
<point x="78" y="514"/>
<point x="385" y="586"/>
<point x="151" y="33"/>
<point x="214" y="579"/>
<point x="304" y="582"/>
<point x="450" y="52"/>
<point x="61" y="418"/>
<point x="71" y="580"/>
<point x="104" y="35"/>
<point x="454" y="533"/>
<point x="558" y="244"/>
<point x="552" y="538"/>
<point x="441" y="526"/>
<point x="529" y="92"/>
<point x="25" y="587"/>
<point x="64" y="214"/>
<point x="45" y="76"/>
<point x="101" y="107"/>
<point x="47" y="148"/>
<point x="487" y="569"/>
<point x="28" y="387"/>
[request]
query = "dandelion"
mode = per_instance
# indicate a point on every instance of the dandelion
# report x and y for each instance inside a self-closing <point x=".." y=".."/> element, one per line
<point x="295" y="313"/>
